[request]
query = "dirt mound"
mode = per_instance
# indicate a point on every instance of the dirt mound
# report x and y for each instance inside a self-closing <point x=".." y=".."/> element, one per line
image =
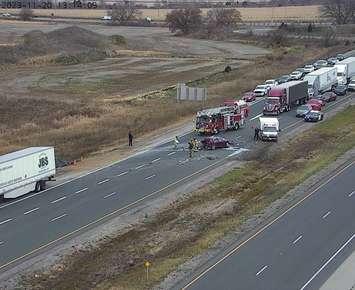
<point x="69" y="41"/>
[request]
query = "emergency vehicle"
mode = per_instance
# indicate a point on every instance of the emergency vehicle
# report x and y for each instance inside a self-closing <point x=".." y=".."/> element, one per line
<point x="240" y="106"/>
<point x="214" y="120"/>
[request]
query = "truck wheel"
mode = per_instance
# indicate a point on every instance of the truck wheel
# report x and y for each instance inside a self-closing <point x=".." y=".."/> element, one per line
<point x="42" y="185"/>
<point x="37" y="187"/>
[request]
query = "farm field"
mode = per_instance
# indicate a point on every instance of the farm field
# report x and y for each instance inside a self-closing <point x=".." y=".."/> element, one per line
<point x="290" y="13"/>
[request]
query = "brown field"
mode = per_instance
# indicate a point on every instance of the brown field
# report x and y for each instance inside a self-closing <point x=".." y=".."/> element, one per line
<point x="295" y="13"/>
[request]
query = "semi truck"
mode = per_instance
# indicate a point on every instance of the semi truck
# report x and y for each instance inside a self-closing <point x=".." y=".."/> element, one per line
<point x="322" y="80"/>
<point x="26" y="170"/>
<point x="345" y="70"/>
<point x="269" y="129"/>
<point x="284" y="96"/>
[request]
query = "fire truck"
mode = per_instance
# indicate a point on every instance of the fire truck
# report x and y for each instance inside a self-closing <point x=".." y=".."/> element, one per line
<point x="214" y="120"/>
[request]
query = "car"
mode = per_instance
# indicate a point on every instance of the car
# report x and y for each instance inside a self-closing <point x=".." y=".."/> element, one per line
<point x="249" y="97"/>
<point x="271" y="83"/>
<point x="340" y="57"/>
<point x="308" y="68"/>
<point x="283" y="79"/>
<point x="214" y="142"/>
<point x="310" y="92"/>
<point x="320" y="63"/>
<point x="303" y="110"/>
<point x="315" y="104"/>
<point x="351" y="86"/>
<point x="327" y="97"/>
<point x="6" y="15"/>
<point x="340" y="90"/>
<point x="320" y="99"/>
<point x="106" y="17"/>
<point x="314" y="116"/>
<point x="332" y="61"/>
<point x="261" y="90"/>
<point x="296" y="75"/>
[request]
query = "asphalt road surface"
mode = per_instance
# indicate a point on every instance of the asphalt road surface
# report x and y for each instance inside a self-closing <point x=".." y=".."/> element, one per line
<point x="297" y="251"/>
<point x="37" y="221"/>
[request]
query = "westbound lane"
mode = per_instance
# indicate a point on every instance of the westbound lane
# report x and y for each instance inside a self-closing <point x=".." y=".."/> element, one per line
<point x="42" y="219"/>
<point x="288" y="253"/>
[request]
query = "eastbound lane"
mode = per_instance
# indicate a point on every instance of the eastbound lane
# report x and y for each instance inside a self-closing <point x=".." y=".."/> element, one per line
<point x="292" y="252"/>
<point x="57" y="213"/>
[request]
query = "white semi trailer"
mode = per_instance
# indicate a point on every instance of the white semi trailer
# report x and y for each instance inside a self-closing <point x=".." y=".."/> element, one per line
<point x="26" y="170"/>
<point x="322" y="80"/>
<point x="345" y="70"/>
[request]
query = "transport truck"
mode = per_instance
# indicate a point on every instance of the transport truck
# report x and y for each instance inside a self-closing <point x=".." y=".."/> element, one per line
<point x="269" y="128"/>
<point x="284" y="96"/>
<point x="26" y="170"/>
<point x="322" y="80"/>
<point x="345" y="70"/>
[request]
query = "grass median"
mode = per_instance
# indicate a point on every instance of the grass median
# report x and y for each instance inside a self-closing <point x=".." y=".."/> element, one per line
<point x="194" y="224"/>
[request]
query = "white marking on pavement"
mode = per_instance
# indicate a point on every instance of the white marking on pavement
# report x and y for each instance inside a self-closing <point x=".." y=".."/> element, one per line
<point x="325" y="216"/>
<point x="58" y="217"/>
<point x="1" y="243"/>
<point x="257" y="116"/>
<point x="59" y="199"/>
<point x="140" y="166"/>
<point x="238" y="152"/>
<point x="261" y="270"/>
<point x="155" y="160"/>
<point x="351" y="194"/>
<point x="121" y="174"/>
<point x="172" y="153"/>
<point x="184" y="161"/>
<point x="295" y="241"/>
<point x="113" y="193"/>
<point x="81" y="190"/>
<point x="32" y="210"/>
<point x="5" y="221"/>
<point x="103" y="181"/>
<point x="149" y="177"/>
<point x="326" y="263"/>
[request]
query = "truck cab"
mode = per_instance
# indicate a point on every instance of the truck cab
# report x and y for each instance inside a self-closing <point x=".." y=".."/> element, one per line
<point x="269" y="129"/>
<point x="276" y="102"/>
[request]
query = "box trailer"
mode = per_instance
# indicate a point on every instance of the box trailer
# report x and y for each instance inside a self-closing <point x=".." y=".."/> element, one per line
<point x="322" y="80"/>
<point x="26" y="170"/>
<point x="345" y="70"/>
<point x="283" y="97"/>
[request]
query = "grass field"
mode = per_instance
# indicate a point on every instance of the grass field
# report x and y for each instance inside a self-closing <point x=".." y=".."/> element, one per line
<point x="295" y="13"/>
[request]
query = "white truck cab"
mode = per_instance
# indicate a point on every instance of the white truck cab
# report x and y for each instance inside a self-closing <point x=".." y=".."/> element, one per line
<point x="269" y="129"/>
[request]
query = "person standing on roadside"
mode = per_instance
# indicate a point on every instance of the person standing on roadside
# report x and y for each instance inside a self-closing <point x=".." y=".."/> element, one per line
<point x="176" y="142"/>
<point x="130" y="139"/>
<point x="256" y="133"/>
<point x="191" y="148"/>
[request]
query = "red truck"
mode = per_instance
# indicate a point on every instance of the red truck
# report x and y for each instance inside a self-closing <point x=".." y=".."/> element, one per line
<point x="283" y="97"/>
<point x="214" y="120"/>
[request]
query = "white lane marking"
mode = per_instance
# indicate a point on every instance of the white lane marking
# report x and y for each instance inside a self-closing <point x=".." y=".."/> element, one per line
<point x="325" y="216"/>
<point x="172" y="153"/>
<point x="155" y="160"/>
<point x="31" y="210"/>
<point x="113" y="193"/>
<point x="184" y="161"/>
<point x="237" y="152"/>
<point x="59" y="199"/>
<point x="5" y="221"/>
<point x="140" y="166"/>
<point x="81" y="190"/>
<point x="1" y="243"/>
<point x="295" y="241"/>
<point x="58" y="217"/>
<point x="351" y="194"/>
<point x="103" y="181"/>
<point x="257" y="116"/>
<point x="326" y="263"/>
<point x="121" y="174"/>
<point x="261" y="270"/>
<point x="149" y="177"/>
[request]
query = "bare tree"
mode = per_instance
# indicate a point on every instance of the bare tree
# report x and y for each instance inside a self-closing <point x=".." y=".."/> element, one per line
<point x="342" y="11"/>
<point x="123" y="11"/>
<point x="26" y="14"/>
<point x="222" y="20"/>
<point x="186" y="20"/>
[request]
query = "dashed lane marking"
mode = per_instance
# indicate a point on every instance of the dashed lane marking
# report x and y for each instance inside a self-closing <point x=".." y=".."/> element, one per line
<point x="103" y="181"/>
<point x="5" y="221"/>
<point x="297" y="240"/>
<point x="81" y="190"/>
<point x="58" y="217"/>
<point x="150" y="177"/>
<point x="155" y="160"/>
<point x="172" y="153"/>
<point x="326" y="215"/>
<point x="261" y="270"/>
<point x="351" y="194"/>
<point x="121" y="174"/>
<point x="140" y="166"/>
<point x="31" y="210"/>
<point x="59" y="199"/>
<point x="111" y="194"/>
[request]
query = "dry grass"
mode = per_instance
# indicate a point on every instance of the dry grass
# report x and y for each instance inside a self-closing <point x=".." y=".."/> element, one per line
<point x="296" y="13"/>
<point x="192" y="225"/>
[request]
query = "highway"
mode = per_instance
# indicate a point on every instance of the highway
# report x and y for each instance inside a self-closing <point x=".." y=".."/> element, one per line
<point x="37" y="221"/>
<point x="298" y="250"/>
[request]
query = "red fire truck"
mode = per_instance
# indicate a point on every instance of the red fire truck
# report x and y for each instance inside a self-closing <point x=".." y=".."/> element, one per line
<point x="240" y="106"/>
<point x="211" y="121"/>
